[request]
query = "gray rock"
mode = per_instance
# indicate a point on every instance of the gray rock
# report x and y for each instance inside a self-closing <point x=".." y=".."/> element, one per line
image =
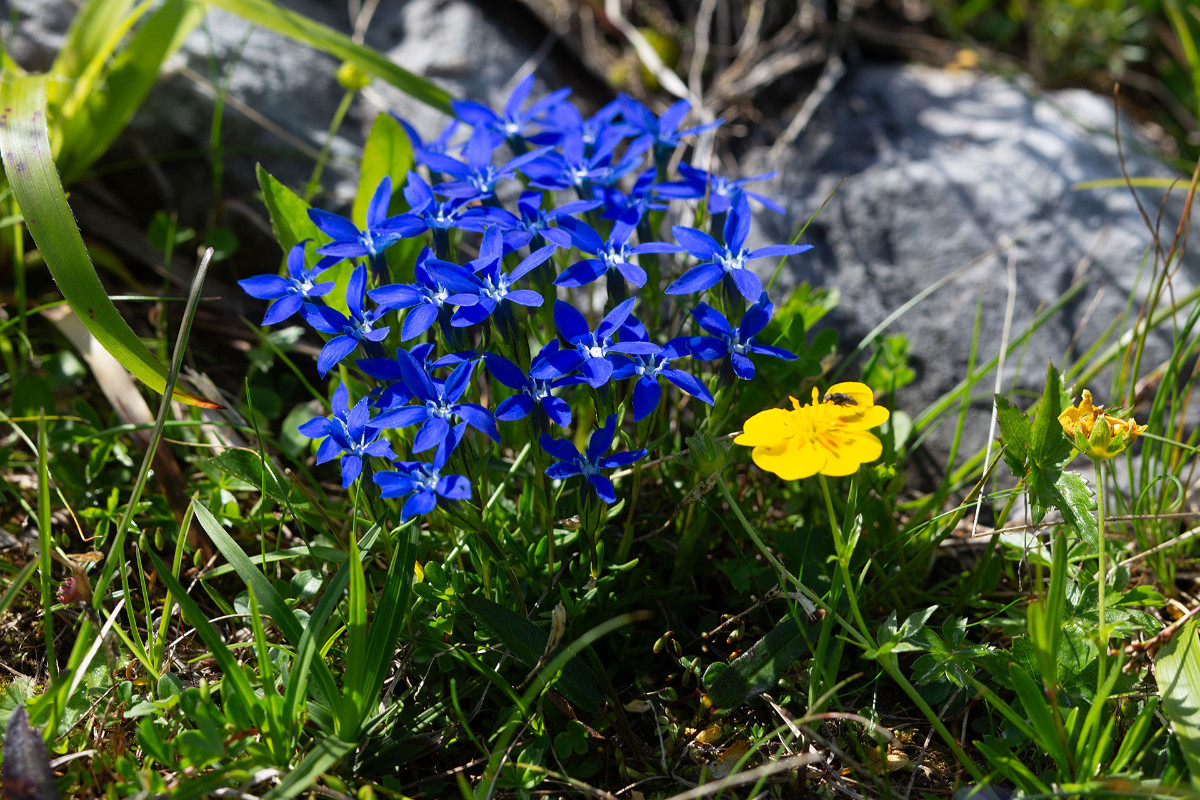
<point x="941" y="169"/>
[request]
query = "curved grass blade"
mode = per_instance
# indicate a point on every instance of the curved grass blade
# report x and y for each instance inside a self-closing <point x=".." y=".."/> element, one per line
<point x="25" y="148"/>
<point x="326" y="39"/>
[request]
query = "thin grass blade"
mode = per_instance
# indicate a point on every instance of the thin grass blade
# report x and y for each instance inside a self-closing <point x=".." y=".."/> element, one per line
<point x="272" y="602"/>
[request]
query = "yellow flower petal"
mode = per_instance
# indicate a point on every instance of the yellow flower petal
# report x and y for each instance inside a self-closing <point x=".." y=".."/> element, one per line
<point x="829" y="435"/>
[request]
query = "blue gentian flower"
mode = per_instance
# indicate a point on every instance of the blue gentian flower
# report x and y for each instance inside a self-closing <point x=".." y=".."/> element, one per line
<point x="650" y="368"/>
<point x="610" y="254"/>
<point x="350" y="331"/>
<point x="422" y="149"/>
<point x="290" y="292"/>
<point x="662" y="131"/>
<point x="438" y="284"/>
<point x="640" y="199"/>
<point x="737" y="343"/>
<point x="395" y="392"/>
<point x="381" y="232"/>
<point x="537" y="223"/>
<point x="346" y="434"/>
<point x="440" y="216"/>
<point x="602" y="130"/>
<point x="589" y="463"/>
<point x="478" y="177"/>
<point x="491" y="285"/>
<point x="514" y="122"/>
<point x="592" y="349"/>
<point x="575" y="168"/>
<point x="423" y="482"/>
<point x="534" y="392"/>
<point x="719" y="191"/>
<point x="437" y="404"/>
<point x="728" y="259"/>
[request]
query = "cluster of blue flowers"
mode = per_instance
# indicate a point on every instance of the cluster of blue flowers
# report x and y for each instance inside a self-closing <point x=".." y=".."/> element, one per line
<point x="593" y="191"/>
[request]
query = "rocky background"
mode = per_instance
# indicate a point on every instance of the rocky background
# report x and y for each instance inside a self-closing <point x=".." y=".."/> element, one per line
<point x="948" y="177"/>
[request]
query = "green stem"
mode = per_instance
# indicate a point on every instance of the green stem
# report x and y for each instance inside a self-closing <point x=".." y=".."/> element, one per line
<point x="314" y="181"/>
<point x="845" y="550"/>
<point x="786" y="576"/>
<point x="1101" y="573"/>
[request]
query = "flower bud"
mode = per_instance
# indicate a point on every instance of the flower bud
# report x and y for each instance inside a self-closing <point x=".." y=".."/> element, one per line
<point x="1098" y="440"/>
<point x="707" y="455"/>
<point x="352" y="77"/>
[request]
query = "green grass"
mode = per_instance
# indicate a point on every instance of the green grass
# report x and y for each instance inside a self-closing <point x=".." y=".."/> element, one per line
<point x="717" y="632"/>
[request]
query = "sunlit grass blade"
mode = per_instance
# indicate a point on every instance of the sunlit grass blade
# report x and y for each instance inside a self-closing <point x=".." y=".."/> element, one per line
<point x="327" y="40"/>
<point x="90" y="128"/>
<point x="45" y="543"/>
<point x="116" y="552"/>
<point x="1177" y="671"/>
<point x="25" y="148"/>
<point x="92" y="29"/>
<point x="354" y="694"/>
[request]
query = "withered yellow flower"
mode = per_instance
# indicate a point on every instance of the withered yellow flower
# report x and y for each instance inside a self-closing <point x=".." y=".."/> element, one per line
<point x="1095" y="433"/>
<point x="830" y="436"/>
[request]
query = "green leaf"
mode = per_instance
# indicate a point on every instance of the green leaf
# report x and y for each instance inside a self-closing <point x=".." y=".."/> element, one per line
<point x="288" y="212"/>
<point x="760" y="668"/>
<point x="528" y="642"/>
<point x="1077" y="502"/>
<point x="291" y="224"/>
<point x="97" y="24"/>
<point x="1048" y="445"/>
<point x="386" y="153"/>
<point x="1037" y="710"/>
<point x="1014" y="435"/>
<point x="234" y="683"/>
<point x="274" y="604"/>
<point x="327" y="40"/>
<point x="1177" y="671"/>
<point x="248" y="466"/>
<point x="25" y="148"/>
<point x="328" y="751"/>
<point x="389" y="615"/>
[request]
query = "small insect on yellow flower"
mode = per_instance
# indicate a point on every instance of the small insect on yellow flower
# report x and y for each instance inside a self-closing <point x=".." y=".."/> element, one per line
<point x="830" y="436"/>
<point x="1095" y="433"/>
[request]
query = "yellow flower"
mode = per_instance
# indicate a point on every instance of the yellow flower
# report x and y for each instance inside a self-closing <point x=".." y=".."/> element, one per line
<point x="1095" y="433"/>
<point x="830" y="436"/>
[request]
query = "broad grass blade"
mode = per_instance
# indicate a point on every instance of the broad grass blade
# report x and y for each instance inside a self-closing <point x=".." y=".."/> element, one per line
<point x="96" y="24"/>
<point x="326" y="39"/>
<point x="89" y="130"/>
<point x="25" y="148"/>
<point x="1177" y="671"/>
